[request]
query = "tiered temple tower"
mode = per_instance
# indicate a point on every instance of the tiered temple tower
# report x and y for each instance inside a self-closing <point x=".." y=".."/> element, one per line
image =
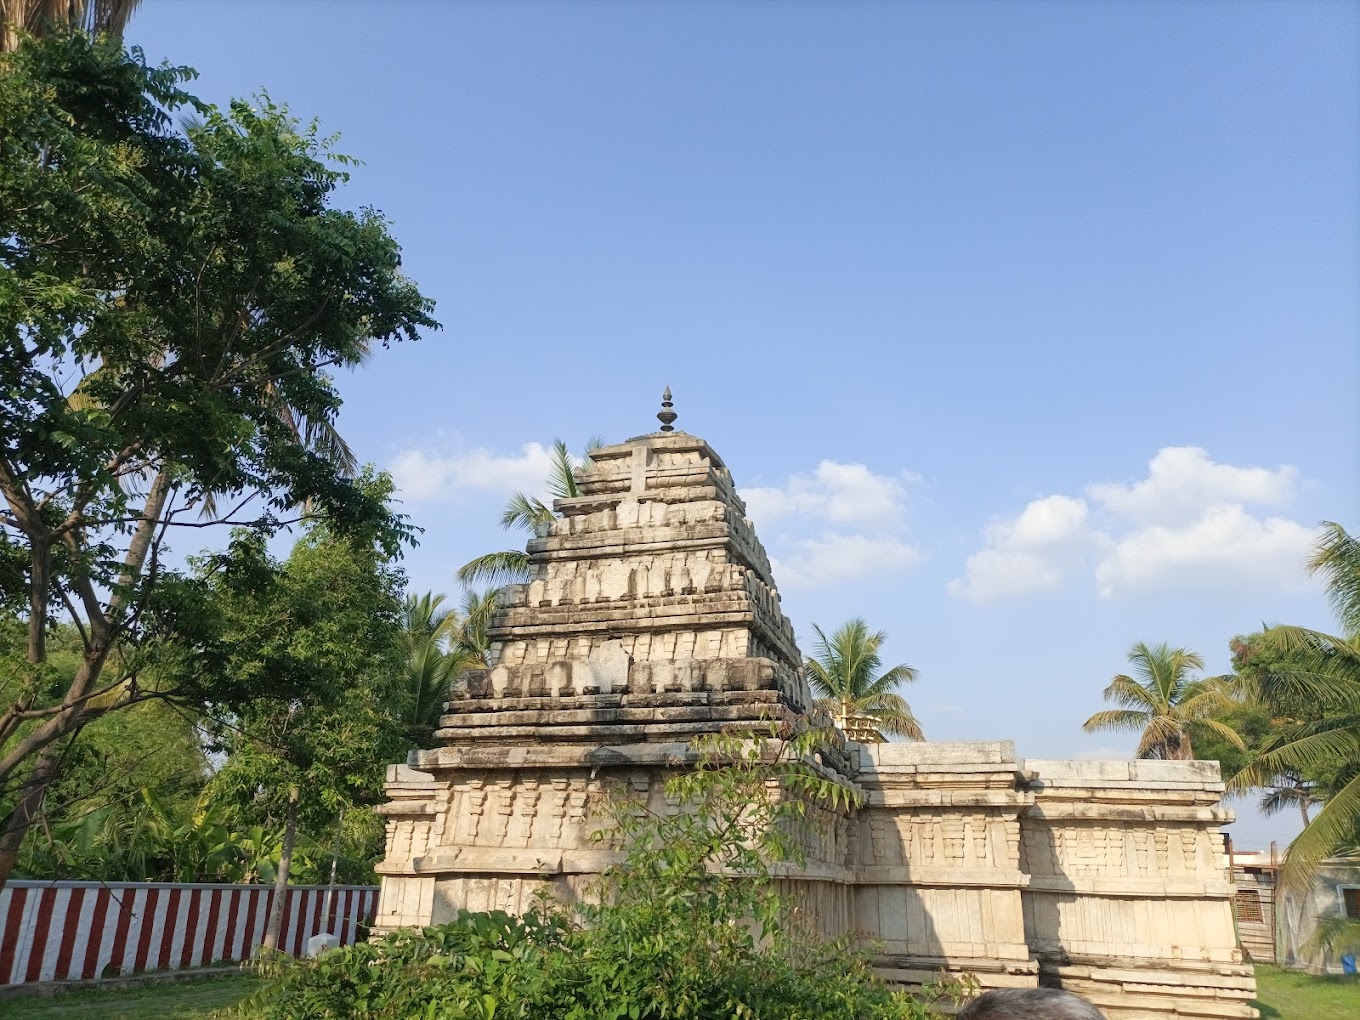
<point x="651" y="618"/>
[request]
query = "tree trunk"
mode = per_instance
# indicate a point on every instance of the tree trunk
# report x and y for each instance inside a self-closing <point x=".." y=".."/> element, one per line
<point x="26" y="809"/>
<point x="275" y="926"/>
<point x="1303" y="810"/>
<point x="38" y="582"/>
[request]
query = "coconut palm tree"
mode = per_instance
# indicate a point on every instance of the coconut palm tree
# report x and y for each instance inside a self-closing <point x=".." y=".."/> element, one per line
<point x="429" y="667"/>
<point x="847" y="675"/>
<point x="526" y="513"/>
<point x="1165" y="703"/>
<point x="36" y="17"/>
<point x="1321" y="671"/>
<point x="441" y="645"/>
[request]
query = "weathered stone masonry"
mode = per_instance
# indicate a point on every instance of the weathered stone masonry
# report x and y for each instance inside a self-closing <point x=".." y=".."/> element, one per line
<point x="653" y="617"/>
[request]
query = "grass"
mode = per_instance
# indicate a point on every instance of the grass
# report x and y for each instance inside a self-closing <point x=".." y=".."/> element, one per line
<point x="183" y="1000"/>
<point x="1289" y="995"/>
<point x="1283" y="995"/>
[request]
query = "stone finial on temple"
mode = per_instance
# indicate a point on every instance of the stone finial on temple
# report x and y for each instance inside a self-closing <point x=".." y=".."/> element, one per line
<point x="666" y="415"/>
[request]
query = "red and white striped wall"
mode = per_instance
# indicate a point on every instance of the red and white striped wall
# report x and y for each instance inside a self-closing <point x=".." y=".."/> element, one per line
<point x="75" y="931"/>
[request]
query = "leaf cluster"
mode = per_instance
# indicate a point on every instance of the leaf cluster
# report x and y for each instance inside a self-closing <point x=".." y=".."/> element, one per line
<point x="320" y="640"/>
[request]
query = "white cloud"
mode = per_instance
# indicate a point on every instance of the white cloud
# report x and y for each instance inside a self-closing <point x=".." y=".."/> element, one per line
<point x="1182" y="481"/>
<point x="425" y="475"/>
<point x="1225" y="547"/>
<point x="991" y="574"/>
<point x="1031" y="553"/>
<point x="1185" y="527"/>
<point x="829" y="559"/>
<point x="835" y="524"/>
<point x="835" y="493"/>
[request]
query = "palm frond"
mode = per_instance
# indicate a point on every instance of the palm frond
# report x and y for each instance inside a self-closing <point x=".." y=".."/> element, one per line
<point x="899" y="674"/>
<point x="891" y="713"/>
<point x="526" y="513"/>
<point x="1225" y="731"/>
<point x="478" y="610"/>
<point x="1128" y="692"/>
<point x="509" y="566"/>
<point x="1280" y="797"/>
<point x="562" y="474"/>
<point x="1333" y="828"/>
<point x="1311" y="746"/>
<point x="1203" y="699"/>
<point x="1116" y="719"/>
<point x="1162" y="738"/>
<point x="1335" y="933"/>
<point x="1336" y="556"/>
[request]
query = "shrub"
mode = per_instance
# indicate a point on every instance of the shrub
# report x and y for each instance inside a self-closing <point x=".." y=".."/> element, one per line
<point x="689" y="924"/>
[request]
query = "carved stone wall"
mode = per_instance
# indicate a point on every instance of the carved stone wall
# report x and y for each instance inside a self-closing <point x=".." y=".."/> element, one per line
<point x="1129" y="901"/>
<point x="652" y="617"/>
<point x="937" y="863"/>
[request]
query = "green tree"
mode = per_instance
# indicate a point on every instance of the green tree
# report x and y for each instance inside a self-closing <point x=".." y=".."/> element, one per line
<point x="1315" y="677"/>
<point x="1263" y="713"/>
<point x="1165" y="703"/>
<point x="847" y="674"/>
<point x="527" y="513"/>
<point x="171" y="305"/>
<point x="37" y="17"/>
<point x="441" y="644"/>
<point x="96" y="818"/>
<point x="327" y="622"/>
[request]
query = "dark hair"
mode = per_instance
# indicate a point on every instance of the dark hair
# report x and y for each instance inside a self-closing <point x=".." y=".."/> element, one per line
<point x="1029" y="1004"/>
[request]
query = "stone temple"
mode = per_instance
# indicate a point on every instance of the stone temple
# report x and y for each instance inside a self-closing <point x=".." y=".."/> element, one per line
<point x="653" y="617"/>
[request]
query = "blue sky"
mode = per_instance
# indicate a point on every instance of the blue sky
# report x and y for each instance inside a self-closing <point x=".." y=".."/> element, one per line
<point x="1029" y="329"/>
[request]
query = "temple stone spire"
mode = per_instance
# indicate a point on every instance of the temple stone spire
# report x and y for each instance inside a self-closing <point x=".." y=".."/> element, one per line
<point x="666" y="415"/>
<point x="652" y="614"/>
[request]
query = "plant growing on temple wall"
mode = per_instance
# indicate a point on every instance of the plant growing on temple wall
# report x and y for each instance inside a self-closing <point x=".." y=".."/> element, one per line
<point x="172" y="303"/>
<point x="845" y="675"/>
<point x="689" y="922"/>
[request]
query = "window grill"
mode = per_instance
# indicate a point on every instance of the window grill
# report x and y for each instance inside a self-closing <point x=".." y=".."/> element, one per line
<point x="1249" y="906"/>
<point x="1351" y="899"/>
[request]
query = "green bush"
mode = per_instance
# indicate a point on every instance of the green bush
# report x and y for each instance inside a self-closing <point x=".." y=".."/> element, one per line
<point x="689" y="923"/>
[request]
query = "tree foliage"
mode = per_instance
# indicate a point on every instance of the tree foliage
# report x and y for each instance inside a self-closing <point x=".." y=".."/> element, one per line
<point x="172" y="303"/>
<point x="1312" y="681"/>
<point x="1166" y="703"/>
<point x="846" y="672"/>
<point x="326" y="625"/>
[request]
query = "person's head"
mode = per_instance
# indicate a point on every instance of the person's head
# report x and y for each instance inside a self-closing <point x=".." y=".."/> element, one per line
<point x="1029" y="1004"/>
